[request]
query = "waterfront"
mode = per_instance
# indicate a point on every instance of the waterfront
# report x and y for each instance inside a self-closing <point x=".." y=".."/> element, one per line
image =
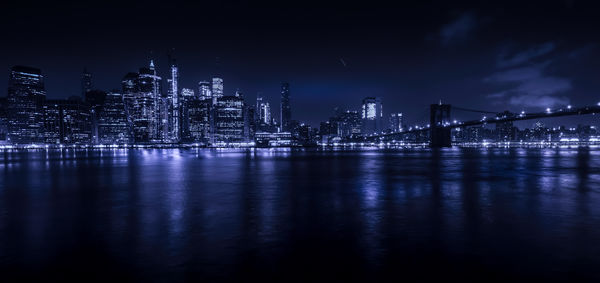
<point x="300" y="215"/>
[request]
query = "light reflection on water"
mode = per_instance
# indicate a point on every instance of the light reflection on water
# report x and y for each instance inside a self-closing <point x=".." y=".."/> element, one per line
<point x="223" y="214"/>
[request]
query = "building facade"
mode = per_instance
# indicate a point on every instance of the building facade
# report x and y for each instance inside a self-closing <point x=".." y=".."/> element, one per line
<point x="25" y="102"/>
<point x="285" y="108"/>
<point x="372" y="115"/>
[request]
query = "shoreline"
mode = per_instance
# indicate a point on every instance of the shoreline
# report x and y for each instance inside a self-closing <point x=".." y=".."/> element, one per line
<point x="337" y="146"/>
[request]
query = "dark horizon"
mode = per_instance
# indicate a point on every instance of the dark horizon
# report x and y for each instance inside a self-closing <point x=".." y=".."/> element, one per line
<point x="494" y="56"/>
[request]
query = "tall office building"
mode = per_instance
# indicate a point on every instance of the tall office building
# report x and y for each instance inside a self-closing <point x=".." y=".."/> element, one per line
<point x="229" y="119"/>
<point x="204" y="90"/>
<point x="187" y="95"/>
<point x="396" y="122"/>
<point x="26" y="96"/>
<point x="129" y="89"/>
<point x="3" y="120"/>
<point x="113" y="126"/>
<point x="372" y="115"/>
<point x="146" y="106"/>
<point x="505" y="131"/>
<point x="199" y="123"/>
<point x="348" y="124"/>
<point x="67" y="121"/>
<point x="173" y="104"/>
<point x="285" y="108"/>
<point x="86" y="82"/>
<point x="95" y="100"/>
<point x="217" y="88"/>
<point x="265" y="113"/>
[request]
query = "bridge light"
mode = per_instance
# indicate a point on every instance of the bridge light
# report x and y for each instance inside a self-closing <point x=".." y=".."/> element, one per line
<point x="568" y="106"/>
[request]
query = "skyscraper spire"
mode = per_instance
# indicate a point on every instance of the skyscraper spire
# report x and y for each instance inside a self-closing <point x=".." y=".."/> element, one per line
<point x="151" y="64"/>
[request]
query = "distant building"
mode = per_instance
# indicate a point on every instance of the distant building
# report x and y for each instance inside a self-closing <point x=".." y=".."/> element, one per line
<point x="3" y="120"/>
<point x="285" y="108"/>
<point x="265" y="113"/>
<point x="396" y="122"/>
<point x="264" y="139"/>
<point x="143" y="100"/>
<point x="204" y="90"/>
<point x="505" y="130"/>
<point x="25" y="101"/>
<point x="249" y="123"/>
<point x="229" y="119"/>
<point x="217" y="88"/>
<point x="372" y="115"/>
<point x="113" y="126"/>
<point x="173" y="122"/>
<point x="95" y="100"/>
<point x="198" y="127"/>
<point x="67" y="121"/>
<point x="86" y="82"/>
<point x="349" y="124"/>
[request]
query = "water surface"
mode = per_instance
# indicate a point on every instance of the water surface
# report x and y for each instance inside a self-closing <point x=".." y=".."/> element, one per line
<point x="299" y="215"/>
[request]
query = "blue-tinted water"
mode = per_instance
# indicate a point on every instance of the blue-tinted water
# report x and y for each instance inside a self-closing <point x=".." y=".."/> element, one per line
<point x="214" y="215"/>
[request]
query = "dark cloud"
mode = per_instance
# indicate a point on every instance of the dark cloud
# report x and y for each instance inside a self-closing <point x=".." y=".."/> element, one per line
<point x="530" y="86"/>
<point x="458" y="29"/>
<point x="519" y="58"/>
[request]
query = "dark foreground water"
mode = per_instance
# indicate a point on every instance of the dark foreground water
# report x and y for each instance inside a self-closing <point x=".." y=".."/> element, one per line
<point x="209" y="215"/>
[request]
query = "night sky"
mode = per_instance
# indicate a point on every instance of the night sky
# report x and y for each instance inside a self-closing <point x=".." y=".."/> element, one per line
<point x="503" y="56"/>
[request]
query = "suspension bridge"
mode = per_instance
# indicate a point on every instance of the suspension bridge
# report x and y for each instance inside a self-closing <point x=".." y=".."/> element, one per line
<point x="441" y="123"/>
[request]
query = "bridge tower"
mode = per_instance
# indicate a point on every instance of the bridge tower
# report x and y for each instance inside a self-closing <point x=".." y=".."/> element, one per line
<point x="439" y="116"/>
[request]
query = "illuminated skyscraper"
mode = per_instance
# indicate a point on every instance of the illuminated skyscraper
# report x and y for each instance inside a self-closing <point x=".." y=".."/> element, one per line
<point x="217" y="88"/>
<point x="67" y="121"/>
<point x="187" y="95"/>
<point x="396" y="122"/>
<point x="265" y="113"/>
<point x="86" y="82"/>
<point x="372" y="115"/>
<point x="145" y="112"/>
<point x="286" y="110"/>
<point x="198" y="127"/>
<point x="26" y="96"/>
<point x="173" y="126"/>
<point x="204" y="90"/>
<point x="229" y="119"/>
<point x="113" y="127"/>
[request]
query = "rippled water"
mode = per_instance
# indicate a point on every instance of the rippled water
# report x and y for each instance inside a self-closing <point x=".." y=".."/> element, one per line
<point x="300" y="215"/>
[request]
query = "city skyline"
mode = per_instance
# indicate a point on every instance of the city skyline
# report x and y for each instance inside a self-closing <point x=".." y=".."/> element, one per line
<point x="143" y="112"/>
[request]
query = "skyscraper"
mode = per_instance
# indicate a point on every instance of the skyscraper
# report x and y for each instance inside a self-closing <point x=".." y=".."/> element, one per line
<point x="67" y="121"/>
<point x="86" y="82"/>
<point x="204" y="90"/>
<point x="286" y="110"/>
<point x="113" y="127"/>
<point x="173" y="103"/>
<point x="199" y="124"/>
<point x="265" y="113"/>
<point x="372" y="115"/>
<point x="217" y="88"/>
<point x="26" y="96"/>
<point x="146" y="107"/>
<point x="187" y="95"/>
<point x="229" y="119"/>
<point x="396" y="122"/>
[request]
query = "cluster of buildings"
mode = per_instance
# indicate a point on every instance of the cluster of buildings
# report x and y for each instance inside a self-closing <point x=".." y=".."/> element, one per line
<point x="141" y="112"/>
<point x="148" y="110"/>
<point x="144" y="112"/>
<point x="507" y="132"/>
